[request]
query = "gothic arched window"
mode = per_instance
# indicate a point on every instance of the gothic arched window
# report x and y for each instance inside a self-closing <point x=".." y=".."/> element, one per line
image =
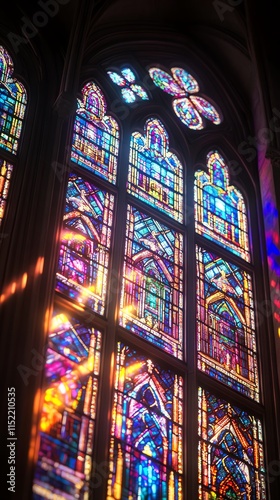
<point x="13" y="100"/>
<point x="154" y="312"/>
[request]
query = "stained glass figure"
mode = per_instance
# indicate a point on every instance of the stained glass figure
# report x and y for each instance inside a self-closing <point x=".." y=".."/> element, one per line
<point x="155" y="174"/>
<point x="152" y="287"/>
<point x="225" y="323"/>
<point x="220" y="211"/>
<point x="96" y="135"/>
<point x="13" y="100"/>
<point x="189" y="109"/>
<point x="231" y="460"/>
<point x="146" y="457"/>
<point x="5" y="176"/>
<point x="130" y="91"/>
<point x="69" y="409"/>
<point x="85" y="244"/>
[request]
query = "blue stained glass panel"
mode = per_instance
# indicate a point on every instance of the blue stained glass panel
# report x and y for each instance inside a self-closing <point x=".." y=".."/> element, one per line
<point x="130" y="91"/>
<point x="187" y="113"/>
<point x="155" y="173"/>
<point x="220" y="210"/>
<point x="128" y="95"/>
<point x="225" y="324"/>
<point x="185" y="80"/>
<point x="13" y="101"/>
<point x="146" y="457"/>
<point x="231" y="456"/>
<point x="152" y="287"/>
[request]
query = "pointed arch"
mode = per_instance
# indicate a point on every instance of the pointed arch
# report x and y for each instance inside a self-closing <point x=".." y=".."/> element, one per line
<point x="155" y="174"/>
<point x="220" y="210"/>
<point x="95" y="144"/>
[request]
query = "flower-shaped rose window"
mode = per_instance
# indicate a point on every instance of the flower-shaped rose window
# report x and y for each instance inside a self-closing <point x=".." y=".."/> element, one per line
<point x="130" y="90"/>
<point x="190" y="108"/>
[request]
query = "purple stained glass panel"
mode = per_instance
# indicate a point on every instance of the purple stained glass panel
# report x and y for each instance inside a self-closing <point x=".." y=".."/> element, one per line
<point x="85" y="244"/>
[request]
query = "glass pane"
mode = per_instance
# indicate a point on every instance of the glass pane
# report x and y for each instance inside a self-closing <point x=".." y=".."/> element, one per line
<point x="128" y="95"/>
<point x="206" y="109"/>
<point x="130" y="90"/>
<point x="155" y="174"/>
<point x="187" y="107"/>
<point x="146" y="456"/>
<point x="185" y="80"/>
<point x="220" y="211"/>
<point x="128" y="74"/>
<point x="117" y="79"/>
<point x="139" y="91"/>
<point x="226" y="330"/>
<point x="96" y="135"/>
<point x="152" y="298"/>
<point x="69" y="410"/>
<point x="187" y="113"/>
<point x="5" y="176"/>
<point x="231" y="461"/>
<point x="85" y="244"/>
<point x="13" y="101"/>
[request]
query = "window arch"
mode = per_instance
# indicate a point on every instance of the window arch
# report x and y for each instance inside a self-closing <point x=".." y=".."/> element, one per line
<point x="13" y="100"/>
<point x="121" y="293"/>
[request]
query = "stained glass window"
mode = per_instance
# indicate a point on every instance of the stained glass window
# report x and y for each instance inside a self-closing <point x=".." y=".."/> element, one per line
<point x="85" y="244"/>
<point x="146" y="455"/>
<point x="130" y="90"/>
<point x="152" y="298"/>
<point x="154" y="337"/>
<point x="191" y="110"/>
<point x="5" y="176"/>
<point x="155" y="174"/>
<point x="231" y="461"/>
<point x="220" y="211"/>
<point x="69" y="409"/>
<point x="13" y="100"/>
<point x="226" y="332"/>
<point x="96" y="135"/>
